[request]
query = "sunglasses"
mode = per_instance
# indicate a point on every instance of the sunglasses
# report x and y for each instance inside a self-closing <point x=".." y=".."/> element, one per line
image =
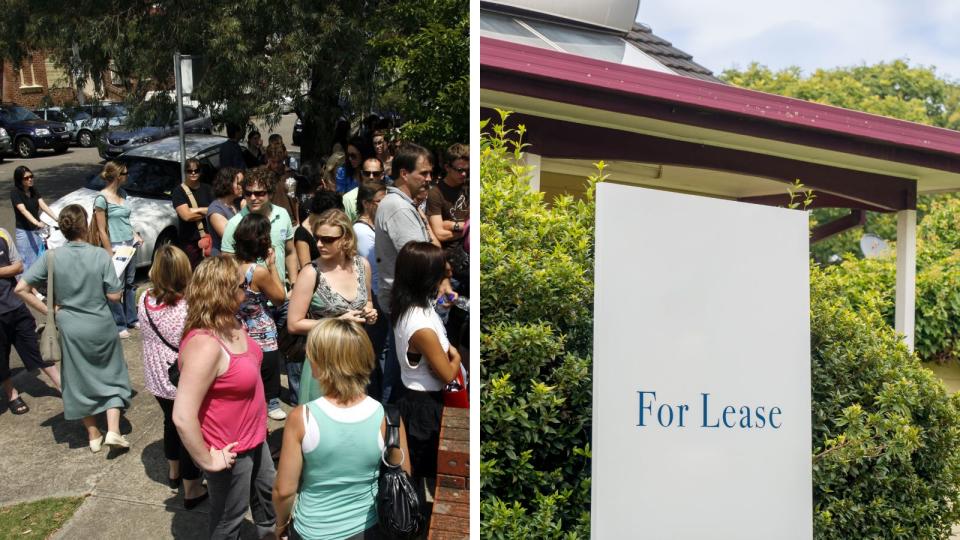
<point x="257" y="193"/>
<point x="328" y="239"/>
<point x="193" y="171"/>
<point x="28" y="177"/>
<point x="371" y="174"/>
<point x="463" y="170"/>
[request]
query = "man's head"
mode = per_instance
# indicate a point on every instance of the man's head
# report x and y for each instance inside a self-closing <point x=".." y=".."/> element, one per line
<point x="380" y="143"/>
<point x="457" y="164"/>
<point x="411" y="168"/>
<point x="234" y="132"/>
<point x="372" y="170"/>
<point x="192" y="171"/>
<point x="258" y="185"/>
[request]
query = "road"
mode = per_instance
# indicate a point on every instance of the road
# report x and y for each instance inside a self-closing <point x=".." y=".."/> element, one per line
<point x="57" y="175"/>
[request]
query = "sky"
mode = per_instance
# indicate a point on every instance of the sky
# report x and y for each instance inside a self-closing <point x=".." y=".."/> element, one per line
<point x="811" y="34"/>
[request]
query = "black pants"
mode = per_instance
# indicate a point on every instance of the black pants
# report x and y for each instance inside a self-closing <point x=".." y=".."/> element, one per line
<point x="270" y="374"/>
<point x="421" y="413"/>
<point x="19" y="329"/>
<point x="173" y="447"/>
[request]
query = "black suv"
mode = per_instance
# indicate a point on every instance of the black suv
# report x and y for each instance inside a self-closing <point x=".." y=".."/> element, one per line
<point x="29" y="132"/>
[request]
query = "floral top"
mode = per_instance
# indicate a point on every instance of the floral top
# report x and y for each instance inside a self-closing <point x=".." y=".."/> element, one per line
<point x="254" y="315"/>
<point x="157" y="357"/>
<point x="327" y="302"/>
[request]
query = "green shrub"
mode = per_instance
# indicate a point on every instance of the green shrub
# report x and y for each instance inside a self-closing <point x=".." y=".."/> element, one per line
<point x="885" y="433"/>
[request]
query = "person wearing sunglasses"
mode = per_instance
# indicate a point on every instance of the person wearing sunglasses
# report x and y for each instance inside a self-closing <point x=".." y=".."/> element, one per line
<point x="190" y="199"/>
<point x="335" y="285"/>
<point x="28" y="203"/>
<point x="370" y="172"/>
<point x="348" y="175"/>
<point x="448" y="210"/>
<point x="111" y="217"/>
<point x="258" y="185"/>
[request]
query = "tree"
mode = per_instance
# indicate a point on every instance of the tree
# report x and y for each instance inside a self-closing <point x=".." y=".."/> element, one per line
<point x="893" y="89"/>
<point x="325" y="55"/>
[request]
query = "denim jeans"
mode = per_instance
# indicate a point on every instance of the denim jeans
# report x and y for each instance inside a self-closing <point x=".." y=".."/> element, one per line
<point x="391" y="385"/>
<point x="125" y="312"/>
<point x="30" y="245"/>
<point x="294" y="369"/>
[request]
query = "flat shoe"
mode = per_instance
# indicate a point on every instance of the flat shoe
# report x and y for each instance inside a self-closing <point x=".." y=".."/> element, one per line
<point x="95" y="444"/>
<point x="18" y="406"/>
<point x="174" y="483"/>
<point x="277" y="414"/>
<point x="190" y="504"/>
<point x="116" y="440"/>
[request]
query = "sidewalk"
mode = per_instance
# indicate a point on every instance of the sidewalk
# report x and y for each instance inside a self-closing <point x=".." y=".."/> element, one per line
<point x="47" y="456"/>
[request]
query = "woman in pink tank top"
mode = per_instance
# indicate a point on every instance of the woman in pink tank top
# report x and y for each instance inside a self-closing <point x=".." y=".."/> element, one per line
<point x="220" y="411"/>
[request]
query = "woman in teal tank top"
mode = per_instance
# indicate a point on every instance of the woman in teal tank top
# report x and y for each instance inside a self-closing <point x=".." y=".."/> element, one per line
<point x="332" y="446"/>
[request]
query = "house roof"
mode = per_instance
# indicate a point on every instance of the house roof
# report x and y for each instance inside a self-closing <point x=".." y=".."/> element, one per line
<point x="642" y="37"/>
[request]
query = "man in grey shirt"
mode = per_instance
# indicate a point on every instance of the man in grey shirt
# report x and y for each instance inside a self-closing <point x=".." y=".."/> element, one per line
<point x="397" y="222"/>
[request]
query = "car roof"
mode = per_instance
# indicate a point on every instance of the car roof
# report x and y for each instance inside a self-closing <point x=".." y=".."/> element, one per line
<point x="169" y="149"/>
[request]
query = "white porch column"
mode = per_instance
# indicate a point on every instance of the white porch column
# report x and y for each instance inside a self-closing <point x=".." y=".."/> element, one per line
<point x="533" y="160"/>
<point x="906" y="274"/>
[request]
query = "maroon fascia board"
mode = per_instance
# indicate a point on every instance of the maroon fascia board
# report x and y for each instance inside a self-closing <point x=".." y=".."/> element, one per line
<point x="567" y="78"/>
<point x="839" y="187"/>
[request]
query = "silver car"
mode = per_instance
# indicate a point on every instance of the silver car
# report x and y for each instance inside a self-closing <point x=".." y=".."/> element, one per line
<point x="58" y="114"/>
<point x="153" y="171"/>
<point x="6" y="144"/>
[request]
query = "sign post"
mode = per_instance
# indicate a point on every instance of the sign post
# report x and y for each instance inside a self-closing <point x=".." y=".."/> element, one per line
<point x="701" y="412"/>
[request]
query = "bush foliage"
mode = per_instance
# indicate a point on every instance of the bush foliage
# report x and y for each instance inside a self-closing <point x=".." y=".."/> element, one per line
<point x="884" y="429"/>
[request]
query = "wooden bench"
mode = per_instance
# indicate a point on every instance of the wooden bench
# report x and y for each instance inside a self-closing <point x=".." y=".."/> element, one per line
<point x="451" y="498"/>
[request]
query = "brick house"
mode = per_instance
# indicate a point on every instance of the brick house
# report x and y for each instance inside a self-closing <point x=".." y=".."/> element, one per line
<point x="38" y="78"/>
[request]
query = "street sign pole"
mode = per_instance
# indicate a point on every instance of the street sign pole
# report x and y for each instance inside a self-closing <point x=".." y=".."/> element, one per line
<point x="179" y="82"/>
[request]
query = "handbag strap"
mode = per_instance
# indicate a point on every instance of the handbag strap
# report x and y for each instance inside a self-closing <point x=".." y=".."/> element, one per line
<point x="50" y="257"/>
<point x="391" y="413"/>
<point x="193" y="204"/>
<point x="156" y="330"/>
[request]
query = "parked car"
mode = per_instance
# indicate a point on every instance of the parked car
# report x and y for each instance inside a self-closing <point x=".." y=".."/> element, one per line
<point x="117" y="141"/>
<point x="101" y="117"/>
<point x="153" y="171"/>
<point x="59" y="114"/>
<point x="6" y="143"/>
<point x="28" y="132"/>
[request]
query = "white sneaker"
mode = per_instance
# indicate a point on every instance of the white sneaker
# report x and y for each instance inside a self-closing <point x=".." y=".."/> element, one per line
<point x="116" y="439"/>
<point x="95" y="444"/>
<point x="124" y="334"/>
<point x="277" y="414"/>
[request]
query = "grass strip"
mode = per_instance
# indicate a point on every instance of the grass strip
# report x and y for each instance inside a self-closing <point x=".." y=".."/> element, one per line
<point x="36" y="519"/>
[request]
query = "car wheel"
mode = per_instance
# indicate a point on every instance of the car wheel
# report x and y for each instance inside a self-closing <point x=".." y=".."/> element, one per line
<point x="85" y="138"/>
<point x="26" y="148"/>
<point x="166" y="237"/>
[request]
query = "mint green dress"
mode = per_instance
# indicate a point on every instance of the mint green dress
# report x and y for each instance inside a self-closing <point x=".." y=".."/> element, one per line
<point x="338" y="483"/>
<point x="94" y="373"/>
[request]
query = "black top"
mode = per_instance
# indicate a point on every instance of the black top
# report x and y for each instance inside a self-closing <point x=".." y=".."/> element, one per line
<point x="303" y="235"/>
<point x="31" y="203"/>
<point x="231" y="155"/>
<point x="189" y="231"/>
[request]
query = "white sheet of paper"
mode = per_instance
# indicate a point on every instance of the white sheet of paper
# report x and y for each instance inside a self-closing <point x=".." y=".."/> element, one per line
<point x="122" y="255"/>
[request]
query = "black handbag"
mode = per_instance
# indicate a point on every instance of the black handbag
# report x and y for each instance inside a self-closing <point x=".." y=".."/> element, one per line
<point x="173" y="371"/>
<point x="398" y="506"/>
<point x="292" y="346"/>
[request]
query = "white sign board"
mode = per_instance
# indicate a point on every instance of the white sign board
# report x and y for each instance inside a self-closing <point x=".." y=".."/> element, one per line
<point x="701" y="377"/>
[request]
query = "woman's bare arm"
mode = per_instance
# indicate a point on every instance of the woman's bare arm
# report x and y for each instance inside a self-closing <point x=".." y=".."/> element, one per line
<point x="289" y="469"/>
<point x="427" y="343"/>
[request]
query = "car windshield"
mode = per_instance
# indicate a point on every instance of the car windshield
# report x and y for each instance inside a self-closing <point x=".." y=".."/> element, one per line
<point x="16" y="113"/>
<point x="77" y="114"/>
<point x="116" y="110"/>
<point x="145" y="177"/>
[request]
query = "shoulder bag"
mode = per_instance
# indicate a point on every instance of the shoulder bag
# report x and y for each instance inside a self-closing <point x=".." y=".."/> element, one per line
<point x="173" y="371"/>
<point x="398" y="506"/>
<point x="293" y="346"/>
<point x="93" y="233"/>
<point x="205" y="243"/>
<point x="49" y="334"/>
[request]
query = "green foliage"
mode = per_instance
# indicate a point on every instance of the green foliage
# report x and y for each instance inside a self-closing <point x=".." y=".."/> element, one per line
<point x="893" y="89"/>
<point x="330" y="57"/>
<point x="536" y="340"/>
<point x="885" y="432"/>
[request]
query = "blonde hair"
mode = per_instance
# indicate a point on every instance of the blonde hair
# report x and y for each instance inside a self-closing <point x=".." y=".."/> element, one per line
<point x="211" y="295"/>
<point x="335" y="217"/>
<point x="341" y="356"/>
<point x="111" y="171"/>
<point x="170" y="274"/>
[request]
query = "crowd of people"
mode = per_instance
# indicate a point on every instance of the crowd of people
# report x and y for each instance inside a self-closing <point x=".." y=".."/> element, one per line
<point x="341" y="273"/>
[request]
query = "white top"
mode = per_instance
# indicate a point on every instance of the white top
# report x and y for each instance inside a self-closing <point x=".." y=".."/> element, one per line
<point x="346" y="415"/>
<point x="419" y="376"/>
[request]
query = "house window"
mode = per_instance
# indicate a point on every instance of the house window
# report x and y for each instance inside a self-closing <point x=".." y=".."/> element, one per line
<point x="115" y="78"/>
<point x="28" y="77"/>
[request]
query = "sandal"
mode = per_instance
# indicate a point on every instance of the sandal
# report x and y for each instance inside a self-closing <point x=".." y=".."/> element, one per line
<point x="18" y="406"/>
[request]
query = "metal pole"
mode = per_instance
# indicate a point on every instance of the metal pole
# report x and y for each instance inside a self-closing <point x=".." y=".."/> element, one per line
<point x="183" y="144"/>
